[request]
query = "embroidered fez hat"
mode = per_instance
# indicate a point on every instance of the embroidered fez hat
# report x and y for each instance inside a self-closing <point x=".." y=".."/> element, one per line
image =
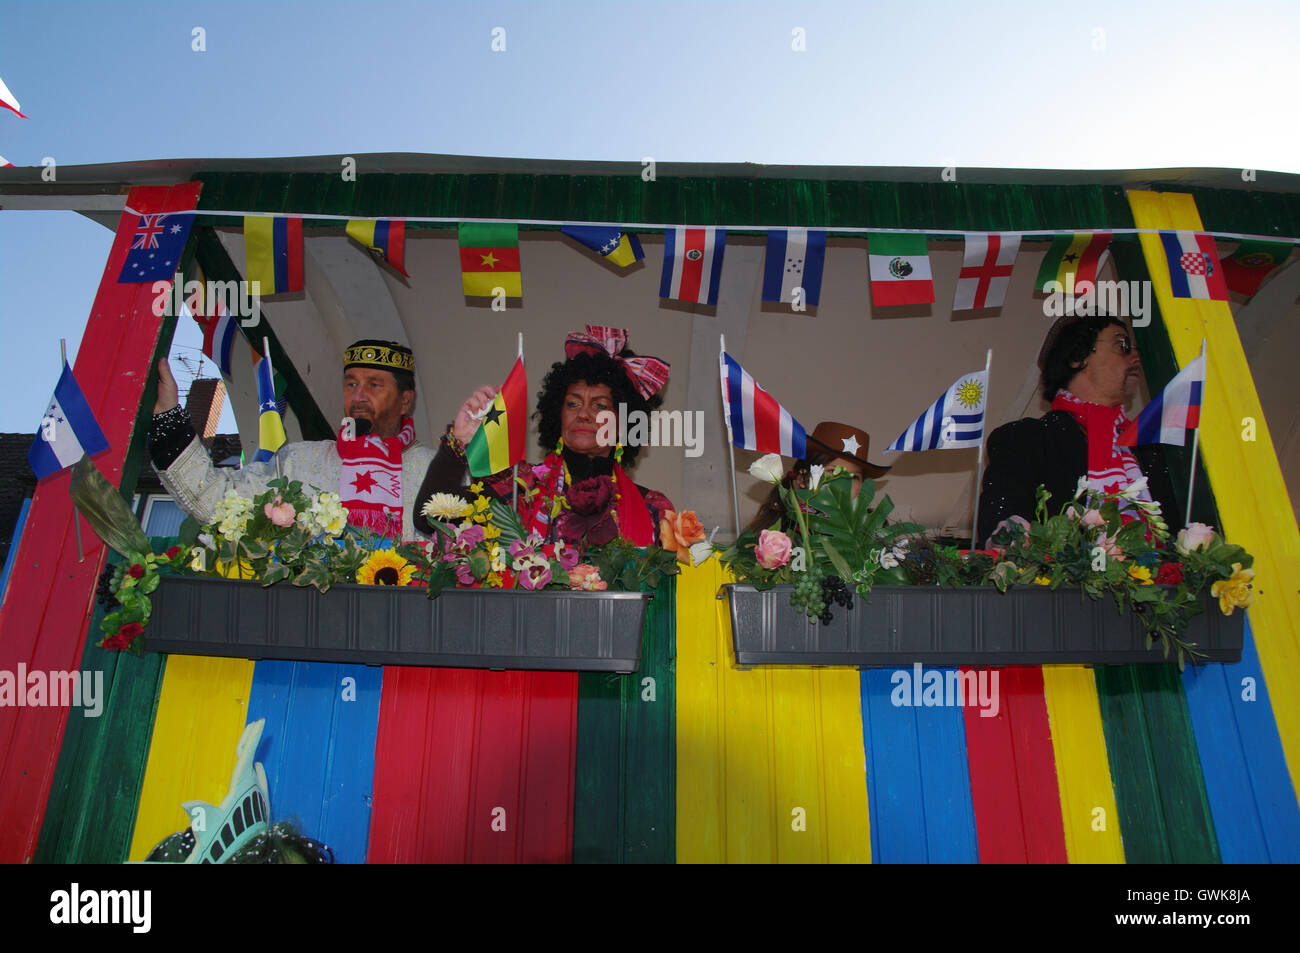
<point x="381" y="355"/>
<point x="847" y="442"/>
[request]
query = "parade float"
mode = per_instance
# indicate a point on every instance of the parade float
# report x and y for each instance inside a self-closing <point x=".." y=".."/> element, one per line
<point x="519" y="723"/>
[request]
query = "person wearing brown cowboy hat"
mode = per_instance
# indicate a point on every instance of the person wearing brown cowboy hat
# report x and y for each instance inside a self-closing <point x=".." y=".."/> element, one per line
<point x="830" y="444"/>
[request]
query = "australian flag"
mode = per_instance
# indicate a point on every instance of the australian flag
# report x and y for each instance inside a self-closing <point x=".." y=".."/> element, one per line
<point x="156" y="247"/>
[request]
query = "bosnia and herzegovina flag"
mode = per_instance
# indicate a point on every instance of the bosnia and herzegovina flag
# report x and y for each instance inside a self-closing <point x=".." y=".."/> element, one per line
<point x="1073" y="258"/>
<point x="273" y="252"/>
<point x="489" y="259"/>
<point x="499" y="442"/>
<point x="616" y="246"/>
<point x="387" y="236"/>
<point x="270" y="427"/>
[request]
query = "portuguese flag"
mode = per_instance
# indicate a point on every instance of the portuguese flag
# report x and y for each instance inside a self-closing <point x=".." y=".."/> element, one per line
<point x="489" y="259"/>
<point x="1077" y="254"/>
<point x="499" y="442"/>
<point x="1247" y="267"/>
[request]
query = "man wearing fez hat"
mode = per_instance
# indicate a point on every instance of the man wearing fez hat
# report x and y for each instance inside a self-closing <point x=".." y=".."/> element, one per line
<point x="375" y="464"/>
<point x="1090" y="368"/>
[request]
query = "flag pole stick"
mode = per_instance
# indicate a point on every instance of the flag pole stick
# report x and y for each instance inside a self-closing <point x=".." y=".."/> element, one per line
<point x="514" y="468"/>
<point x="266" y="356"/>
<point x="979" y="460"/>
<point x="1196" y="440"/>
<point x="731" y="443"/>
<point x="76" y="517"/>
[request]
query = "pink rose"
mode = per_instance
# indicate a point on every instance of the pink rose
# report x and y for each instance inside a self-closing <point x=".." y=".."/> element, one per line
<point x="585" y="576"/>
<point x="1194" y="536"/>
<point x="280" y="513"/>
<point x="1092" y="518"/>
<point x="773" y="549"/>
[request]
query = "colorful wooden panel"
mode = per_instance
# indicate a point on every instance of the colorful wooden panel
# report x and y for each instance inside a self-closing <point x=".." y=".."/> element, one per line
<point x="1090" y="819"/>
<point x="474" y="766"/>
<point x="1013" y="769"/>
<point x="1256" y="817"/>
<point x="769" y="761"/>
<point x="13" y="547"/>
<point x="318" y="748"/>
<point x="45" y="629"/>
<point x="625" y="794"/>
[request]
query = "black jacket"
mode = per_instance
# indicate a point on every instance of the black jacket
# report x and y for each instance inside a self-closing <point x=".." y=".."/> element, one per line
<point x="1053" y="450"/>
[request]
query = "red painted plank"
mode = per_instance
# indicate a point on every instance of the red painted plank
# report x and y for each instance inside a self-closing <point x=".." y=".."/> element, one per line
<point x="474" y="766"/>
<point x="45" y="626"/>
<point x="1013" y="774"/>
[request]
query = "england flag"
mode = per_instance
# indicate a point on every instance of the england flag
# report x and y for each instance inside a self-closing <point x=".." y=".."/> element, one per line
<point x="692" y="264"/>
<point x="985" y="271"/>
<point x="953" y="421"/>
<point x="1172" y="412"/>
<point x="68" y="430"/>
<point x="795" y="258"/>
<point x="755" y="419"/>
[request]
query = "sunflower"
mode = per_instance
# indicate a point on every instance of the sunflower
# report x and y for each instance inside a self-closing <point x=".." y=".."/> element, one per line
<point x="385" y="568"/>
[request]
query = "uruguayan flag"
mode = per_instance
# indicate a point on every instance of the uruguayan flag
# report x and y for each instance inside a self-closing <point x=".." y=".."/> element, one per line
<point x="955" y="420"/>
<point x="68" y="430"/>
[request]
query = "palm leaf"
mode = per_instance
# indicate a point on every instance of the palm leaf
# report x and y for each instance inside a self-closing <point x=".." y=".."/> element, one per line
<point x="105" y="510"/>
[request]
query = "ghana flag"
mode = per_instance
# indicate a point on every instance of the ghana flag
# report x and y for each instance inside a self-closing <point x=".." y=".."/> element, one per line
<point x="499" y="442"/>
<point x="1073" y="258"/>
<point x="489" y="259"/>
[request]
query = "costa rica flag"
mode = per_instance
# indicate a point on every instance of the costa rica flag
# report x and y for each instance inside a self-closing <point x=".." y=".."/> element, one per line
<point x="755" y="419"/>
<point x="692" y="264"/>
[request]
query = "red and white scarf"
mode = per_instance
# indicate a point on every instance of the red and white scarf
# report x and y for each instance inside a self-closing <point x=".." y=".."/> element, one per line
<point x="370" y="482"/>
<point x="1111" y="467"/>
<point x="630" y="510"/>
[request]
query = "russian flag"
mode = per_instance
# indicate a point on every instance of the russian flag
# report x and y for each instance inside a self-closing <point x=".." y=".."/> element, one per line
<point x="1172" y="412"/>
<point x="1194" y="268"/>
<point x="68" y="430"/>
<point x="755" y="419"/>
<point x="692" y="264"/>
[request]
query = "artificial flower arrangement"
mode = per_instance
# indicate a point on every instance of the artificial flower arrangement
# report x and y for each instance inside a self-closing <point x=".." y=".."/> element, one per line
<point x="1102" y="543"/>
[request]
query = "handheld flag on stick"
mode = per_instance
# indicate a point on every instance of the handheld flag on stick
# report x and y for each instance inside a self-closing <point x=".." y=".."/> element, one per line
<point x="615" y="246"/>
<point x="386" y="237"/>
<point x="270" y="427"/>
<point x="953" y="421"/>
<point x="219" y="330"/>
<point x="68" y="430"/>
<point x="273" y="252"/>
<point x="1172" y="412"/>
<point x="498" y="443"/>
<point x="754" y="418"/>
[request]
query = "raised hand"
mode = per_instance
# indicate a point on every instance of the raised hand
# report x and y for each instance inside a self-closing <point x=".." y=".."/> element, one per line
<point x="168" y="395"/>
<point x="467" y="420"/>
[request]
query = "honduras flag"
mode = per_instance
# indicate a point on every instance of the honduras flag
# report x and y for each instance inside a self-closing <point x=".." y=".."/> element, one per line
<point x="1172" y="412"/>
<point x="795" y="258"/>
<point x="755" y="419"/>
<point x="68" y="430"/>
<point x="953" y="421"/>
<point x="270" y="428"/>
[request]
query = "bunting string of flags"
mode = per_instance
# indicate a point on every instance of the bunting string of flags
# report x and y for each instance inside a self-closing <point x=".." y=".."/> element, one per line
<point x="273" y="252"/>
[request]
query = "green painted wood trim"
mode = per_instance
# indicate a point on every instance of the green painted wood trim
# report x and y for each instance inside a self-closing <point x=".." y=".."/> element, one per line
<point x="1159" y="791"/>
<point x="1249" y="212"/>
<point x="625" y="796"/>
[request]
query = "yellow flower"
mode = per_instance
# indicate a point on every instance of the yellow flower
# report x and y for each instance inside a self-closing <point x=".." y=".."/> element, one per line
<point x="1234" y="592"/>
<point x="493" y="580"/>
<point x="227" y="568"/>
<point x="476" y="487"/>
<point x="1042" y="580"/>
<point x="385" y="568"/>
<point x="491" y="531"/>
<point x="1141" y="574"/>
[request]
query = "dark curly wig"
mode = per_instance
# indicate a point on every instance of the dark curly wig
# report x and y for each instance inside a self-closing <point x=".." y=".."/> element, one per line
<point x="594" y="369"/>
<point x="1073" y="345"/>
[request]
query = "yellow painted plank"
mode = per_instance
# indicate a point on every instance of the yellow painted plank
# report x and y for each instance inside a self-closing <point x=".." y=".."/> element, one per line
<point x="1248" y="485"/>
<point x="763" y="752"/>
<point x="1082" y="767"/>
<point x="202" y="710"/>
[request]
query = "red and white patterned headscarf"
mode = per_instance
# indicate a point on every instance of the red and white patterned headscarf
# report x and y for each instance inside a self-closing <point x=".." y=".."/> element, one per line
<point x="648" y="374"/>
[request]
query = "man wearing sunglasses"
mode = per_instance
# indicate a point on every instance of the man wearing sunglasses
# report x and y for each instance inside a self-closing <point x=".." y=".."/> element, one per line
<point x="1090" y="370"/>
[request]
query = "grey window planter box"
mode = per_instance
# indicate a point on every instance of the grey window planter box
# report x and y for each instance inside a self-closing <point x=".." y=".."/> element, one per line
<point x="900" y="625"/>
<point x="550" y="630"/>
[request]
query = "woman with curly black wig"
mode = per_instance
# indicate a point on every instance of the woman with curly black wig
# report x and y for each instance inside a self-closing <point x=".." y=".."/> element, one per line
<point x="577" y="408"/>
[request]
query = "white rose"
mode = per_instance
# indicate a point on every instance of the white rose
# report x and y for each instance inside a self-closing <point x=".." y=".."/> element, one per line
<point x="768" y="468"/>
<point x="815" y="475"/>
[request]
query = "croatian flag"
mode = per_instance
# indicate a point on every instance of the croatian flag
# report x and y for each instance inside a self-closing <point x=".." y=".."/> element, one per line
<point x="68" y="430"/>
<point x="795" y="258"/>
<point x="1194" y="268"/>
<point x="1172" y="412"/>
<point x="953" y="421"/>
<point x="755" y="419"/>
<point x="692" y="264"/>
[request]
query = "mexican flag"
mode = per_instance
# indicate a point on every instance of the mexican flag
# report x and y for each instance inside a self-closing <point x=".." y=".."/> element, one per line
<point x="499" y="442"/>
<point x="489" y="259"/>
<point x="900" y="269"/>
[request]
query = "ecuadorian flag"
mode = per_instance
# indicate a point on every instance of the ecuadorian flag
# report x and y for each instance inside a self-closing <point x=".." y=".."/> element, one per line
<point x="273" y="252"/>
<point x="270" y="428"/>
<point x="499" y="442"/>
<point x="387" y="236"/>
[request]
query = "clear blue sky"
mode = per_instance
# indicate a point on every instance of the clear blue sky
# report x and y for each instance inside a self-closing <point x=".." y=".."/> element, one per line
<point x="1020" y="85"/>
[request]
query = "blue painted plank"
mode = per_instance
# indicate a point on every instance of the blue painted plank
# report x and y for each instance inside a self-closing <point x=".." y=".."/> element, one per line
<point x="13" y="546"/>
<point x="918" y="779"/>
<point x="318" y="748"/>
<point x="1253" y="803"/>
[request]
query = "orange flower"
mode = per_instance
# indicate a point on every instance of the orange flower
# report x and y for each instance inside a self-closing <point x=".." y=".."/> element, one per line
<point x="677" y="531"/>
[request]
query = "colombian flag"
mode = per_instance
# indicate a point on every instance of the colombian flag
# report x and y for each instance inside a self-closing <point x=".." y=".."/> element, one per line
<point x="499" y="442"/>
<point x="489" y="259"/>
<point x="273" y="252"/>
<point x="387" y="236"/>
<point x="270" y="428"/>
<point x="1073" y="258"/>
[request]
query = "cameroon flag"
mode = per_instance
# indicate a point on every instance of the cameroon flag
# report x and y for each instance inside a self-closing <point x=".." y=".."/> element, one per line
<point x="499" y="443"/>
<point x="1073" y="258"/>
<point x="489" y="259"/>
